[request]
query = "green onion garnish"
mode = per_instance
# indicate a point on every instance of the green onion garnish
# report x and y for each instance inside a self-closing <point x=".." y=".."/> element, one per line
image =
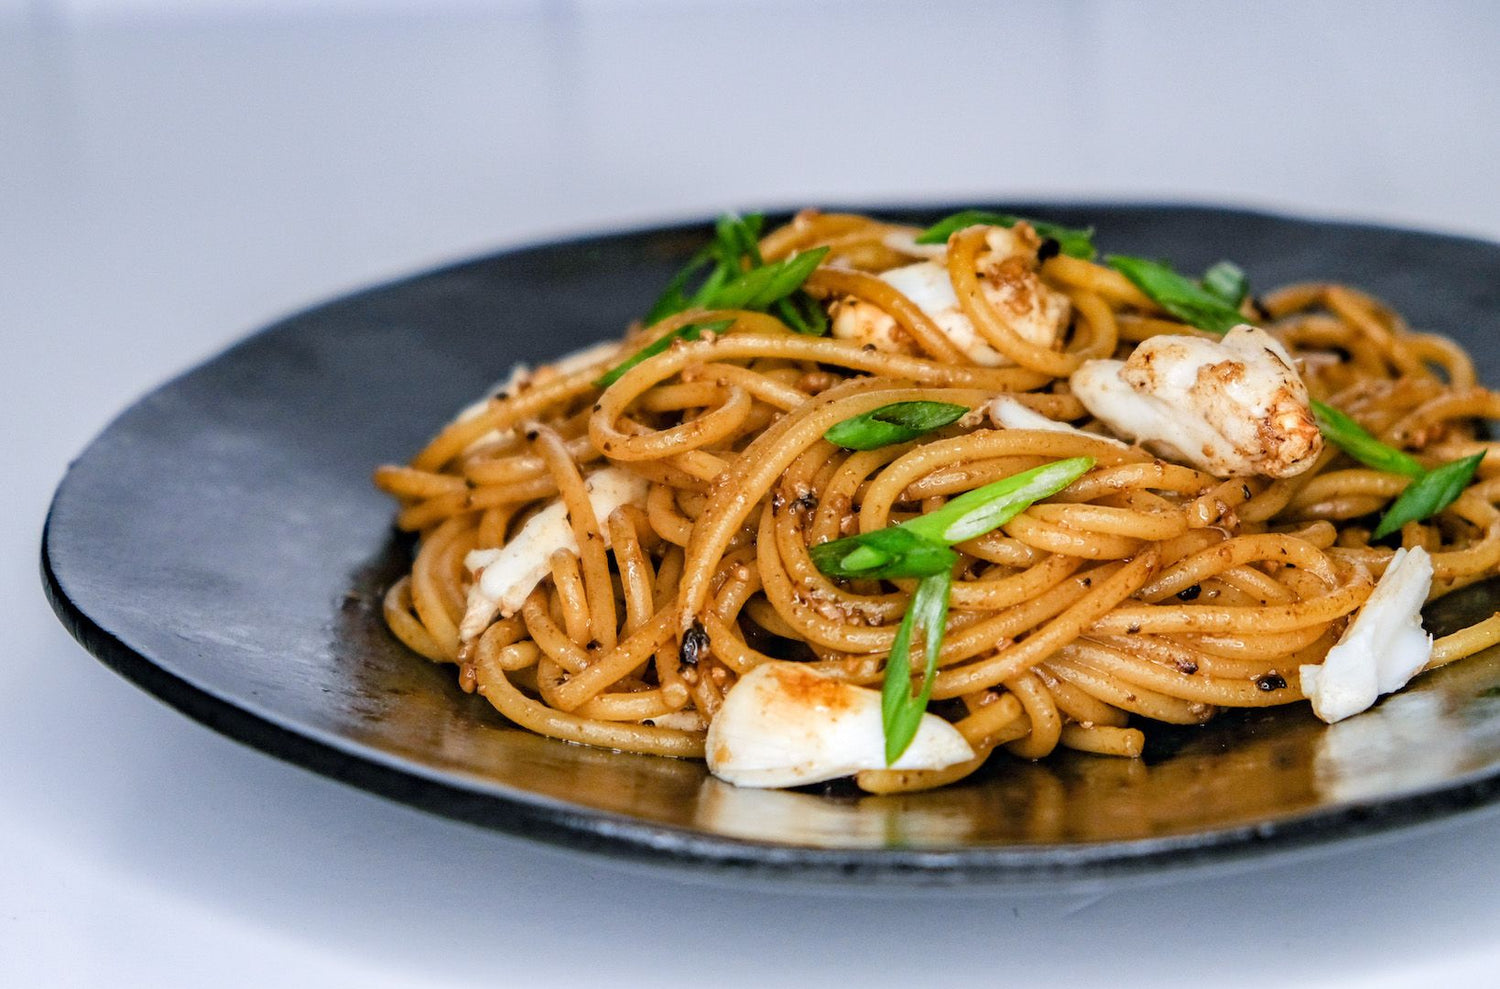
<point x="919" y="546"/>
<point x="759" y="288"/>
<point x="1183" y="298"/>
<point x="901" y="711"/>
<point x="690" y="331"/>
<point x="674" y="299"/>
<point x="738" y="278"/>
<point x="737" y="239"/>
<point x="1430" y="491"/>
<point x="1227" y="281"/>
<point x="803" y="314"/>
<point x="1429" y="494"/>
<point x="970" y="514"/>
<point x="894" y="423"/>
<point x="1073" y="242"/>
<point x="1352" y="438"/>
<point x="976" y="512"/>
<point x="894" y="551"/>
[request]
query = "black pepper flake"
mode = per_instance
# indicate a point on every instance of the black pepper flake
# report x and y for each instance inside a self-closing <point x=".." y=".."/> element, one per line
<point x="1259" y="307"/>
<point x="1133" y="629"/>
<point x="593" y="645"/>
<point x="1270" y="681"/>
<point x="694" y="645"/>
<point x="1187" y="666"/>
<point x="777" y="502"/>
<point x="1049" y="248"/>
<point x="1245" y="490"/>
<point x="531" y="435"/>
<point x="1189" y="593"/>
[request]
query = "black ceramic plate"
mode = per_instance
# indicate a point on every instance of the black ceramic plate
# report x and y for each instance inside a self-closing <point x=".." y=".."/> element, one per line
<point x="220" y="545"/>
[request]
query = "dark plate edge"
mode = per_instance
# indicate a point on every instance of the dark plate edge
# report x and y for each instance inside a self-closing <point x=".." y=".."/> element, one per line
<point x="566" y="237"/>
<point x="625" y="231"/>
<point x="702" y="857"/>
<point x="694" y="855"/>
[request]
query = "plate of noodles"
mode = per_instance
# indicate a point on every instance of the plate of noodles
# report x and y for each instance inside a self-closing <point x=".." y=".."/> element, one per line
<point x="1046" y="543"/>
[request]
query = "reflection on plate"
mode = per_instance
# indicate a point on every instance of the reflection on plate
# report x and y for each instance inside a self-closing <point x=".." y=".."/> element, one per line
<point x="220" y="544"/>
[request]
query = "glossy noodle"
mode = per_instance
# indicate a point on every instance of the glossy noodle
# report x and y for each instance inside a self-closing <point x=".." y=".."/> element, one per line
<point x="668" y="516"/>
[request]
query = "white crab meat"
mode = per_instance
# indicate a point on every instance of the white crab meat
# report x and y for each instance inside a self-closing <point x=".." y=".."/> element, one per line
<point x="1007" y="413"/>
<point x="504" y="577"/>
<point x="1231" y="407"/>
<point x="500" y="389"/>
<point x="783" y="724"/>
<point x="1383" y="649"/>
<point x="1008" y="280"/>
<point x="1020" y="240"/>
<point x="522" y="375"/>
<point x="905" y="242"/>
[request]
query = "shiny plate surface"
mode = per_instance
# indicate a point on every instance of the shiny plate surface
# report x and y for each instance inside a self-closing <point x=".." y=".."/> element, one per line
<point x="220" y="545"/>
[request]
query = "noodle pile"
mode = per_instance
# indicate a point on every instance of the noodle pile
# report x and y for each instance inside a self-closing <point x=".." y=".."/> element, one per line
<point x="1146" y="591"/>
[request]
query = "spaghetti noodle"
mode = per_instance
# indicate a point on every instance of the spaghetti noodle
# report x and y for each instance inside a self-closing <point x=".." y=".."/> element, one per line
<point x="669" y="505"/>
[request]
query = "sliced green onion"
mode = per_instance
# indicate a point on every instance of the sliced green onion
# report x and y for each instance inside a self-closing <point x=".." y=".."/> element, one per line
<point x="1430" y="491"/>
<point x="1429" y="494"/>
<point x="759" y="288"/>
<point x="976" y="512"/>
<point x="894" y="423"/>
<point x="674" y="299"/>
<point x="1074" y="242"/>
<point x="690" y="331"/>
<point x="1179" y="296"/>
<point x="919" y="546"/>
<point x="738" y="239"/>
<point x="1341" y="429"/>
<point x="894" y="551"/>
<point x="1227" y="281"/>
<point x="803" y="314"/>
<point x="738" y="278"/>
<point x="901" y="711"/>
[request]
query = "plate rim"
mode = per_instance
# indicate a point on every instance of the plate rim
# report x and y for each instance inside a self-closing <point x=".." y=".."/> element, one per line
<point x="633" y="842"/>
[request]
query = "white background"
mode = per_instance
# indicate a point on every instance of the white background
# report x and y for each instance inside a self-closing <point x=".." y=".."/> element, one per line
<point x="173" y="175"/>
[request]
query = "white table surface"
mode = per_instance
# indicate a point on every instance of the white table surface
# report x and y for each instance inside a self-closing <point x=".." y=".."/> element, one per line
<point x="172" y="177"/>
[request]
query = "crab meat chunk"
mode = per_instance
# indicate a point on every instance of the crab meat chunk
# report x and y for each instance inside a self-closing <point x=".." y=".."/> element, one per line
<point x="1231" y="407"/>
<point x="783" y="724"/>
<point x="1008" y="280"/>
<point x="504" y="577"/>
<point x="1008" y="413"/>
<point x="522" y="376"/>
<point x="1383" y="649"/>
